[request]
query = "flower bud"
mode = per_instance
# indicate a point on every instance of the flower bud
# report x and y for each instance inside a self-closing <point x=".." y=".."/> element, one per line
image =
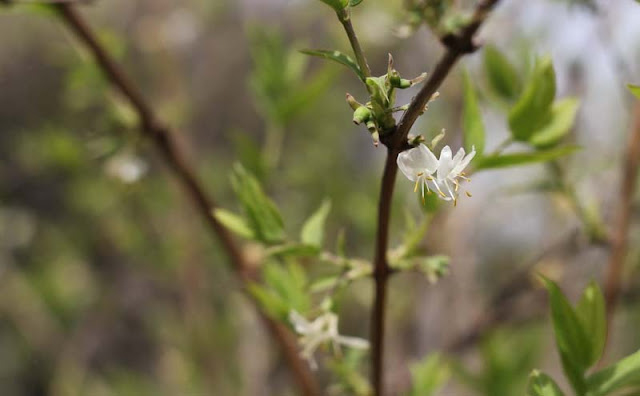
<point x="353" y="102"/>
<point x="362" y="114"/>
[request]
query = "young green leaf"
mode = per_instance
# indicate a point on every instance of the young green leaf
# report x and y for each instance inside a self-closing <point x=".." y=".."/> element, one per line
<point x="532" y="109"/>
<point x="337" y="5"/>
<point x="429" y="375"/>
<point x="561" y="120"/>
<point x="571" y="339"/>
<point x="635" y="89"/>
<point x="622" y="374"/>
<point x="337" y="56"/>
<point x="541" y="384"/>
<point x="591" y="312"/>
<point x="353" y="3"/>
<point x="313" y="229"/>
<point x="472" y="119"/>
<point x="503" y="77"/>
<point x="234" y="223"/>
<point x="506" y="160"/>
<point x="262" y="214"/>
<point x="293" y="250"/>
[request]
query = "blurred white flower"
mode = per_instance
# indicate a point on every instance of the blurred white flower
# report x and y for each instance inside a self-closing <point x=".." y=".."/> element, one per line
<point x="127" y="168"/>
<point x="419" y="165"/>
<point x="322" y="330"/>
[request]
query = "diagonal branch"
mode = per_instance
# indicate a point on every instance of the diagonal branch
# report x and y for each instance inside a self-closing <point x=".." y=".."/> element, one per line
<point x="619" y="236"/>
<point x="457" y="45"/>
<point x="161" y="136"/>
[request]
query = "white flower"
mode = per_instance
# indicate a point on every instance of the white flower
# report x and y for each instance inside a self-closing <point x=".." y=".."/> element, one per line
<point x="126" y="168"/>
<point x="419" y="165"/>
<point x="320" y="331"/>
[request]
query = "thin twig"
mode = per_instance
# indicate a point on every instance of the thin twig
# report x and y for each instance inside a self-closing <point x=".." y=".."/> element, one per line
<point x="345" y="18"/>
<point x="619" y="237"/>
<point x="457" y="45"/>
<point x="161" y="136"/>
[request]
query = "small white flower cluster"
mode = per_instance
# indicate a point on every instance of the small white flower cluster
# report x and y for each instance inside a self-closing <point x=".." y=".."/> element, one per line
<point x="322" y="330"/>
<point x="442" y="175"/>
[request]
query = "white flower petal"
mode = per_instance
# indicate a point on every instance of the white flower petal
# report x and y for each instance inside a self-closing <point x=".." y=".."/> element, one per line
<point x="300" y="324"/>
<point x="463" y="164"/>
<point x="417" y="160"/>
<point x="353" y="342"/>
<point x="445" y="165"/>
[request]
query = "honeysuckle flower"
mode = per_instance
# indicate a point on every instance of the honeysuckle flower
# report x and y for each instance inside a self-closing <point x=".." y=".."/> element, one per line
<point x="442" y="175"/>
<point x="322" y="330"/>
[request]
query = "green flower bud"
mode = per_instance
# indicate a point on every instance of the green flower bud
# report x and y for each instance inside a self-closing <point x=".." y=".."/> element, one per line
<point x="353" y="102"/>
<point x="362" y="114"/>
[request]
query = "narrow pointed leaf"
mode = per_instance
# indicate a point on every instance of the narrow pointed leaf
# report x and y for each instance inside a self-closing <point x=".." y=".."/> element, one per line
<point x="516" y="159"/>
<point x="532" y="109"/>
<point x="561" y="120"/>
<point x="472" y="119"/>
<point x="336" y="56"/>
<point x="619" y="375"/>
<point x="591" y="312"/>
<point x="353" y="3"/>
<point x="429" y="375"/>
<point x="234" y="223"/>
<point x="313" y="229"/>
<point x="541" y="384"/>
<point x="571" y="339"/>
<point x="501" y="74"/>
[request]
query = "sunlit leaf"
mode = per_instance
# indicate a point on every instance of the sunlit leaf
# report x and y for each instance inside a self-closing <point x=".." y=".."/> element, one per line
<point x="313" y="229"/>
<point x="516" y="159"/>
<point x="541" y="384"/>
<point x="503" y="77"/>
<point x="472" y="124"/>
<point x="532" y="109"/>
<point x="234" y="223"/>
<point x="561" y="120"/>
<point x="336" y="56"/>
<point x="622" y="374"/>
<point x="635" y="89"/>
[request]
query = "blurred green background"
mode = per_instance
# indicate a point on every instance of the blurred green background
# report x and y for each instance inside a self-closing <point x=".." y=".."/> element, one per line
<point x="109" y="282"/>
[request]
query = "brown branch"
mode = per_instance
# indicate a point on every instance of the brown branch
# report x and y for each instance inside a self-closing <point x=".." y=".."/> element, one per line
<point x="161" y="136"/>
<point x="457" y="45"/>
<point x="619" y="236"/>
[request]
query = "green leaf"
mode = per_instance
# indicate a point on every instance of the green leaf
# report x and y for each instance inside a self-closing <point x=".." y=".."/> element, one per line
<point x="635" y="89"/>
<point x="591" y="312"/>
<point x="293" y="250"/>
<point x="472" y="119"/>
<point x="503" y="77"/>
<point x="270" y="303"/>
<point x="621" y="374"/>
<point x="571" y="339"/>
<point x="541" y="384"/>
<point x="262" y="214"/>
<point x="532" y="109"/>
<point x="516" y="159"/>
<point x="336" y="56"/>
<point x="337" y="5"/>
<point x="234" y="223"/>
<point x="562" y="118"/>
<point x="313" y="229"/>
<point x="353" y="3"/>
<point x="429" y="375"/>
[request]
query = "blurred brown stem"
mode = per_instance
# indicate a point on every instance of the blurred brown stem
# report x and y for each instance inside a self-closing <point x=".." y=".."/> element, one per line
<point x="161" y="136"/>
<point x="619" y="241"/>
<point x="457" y="45"/>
